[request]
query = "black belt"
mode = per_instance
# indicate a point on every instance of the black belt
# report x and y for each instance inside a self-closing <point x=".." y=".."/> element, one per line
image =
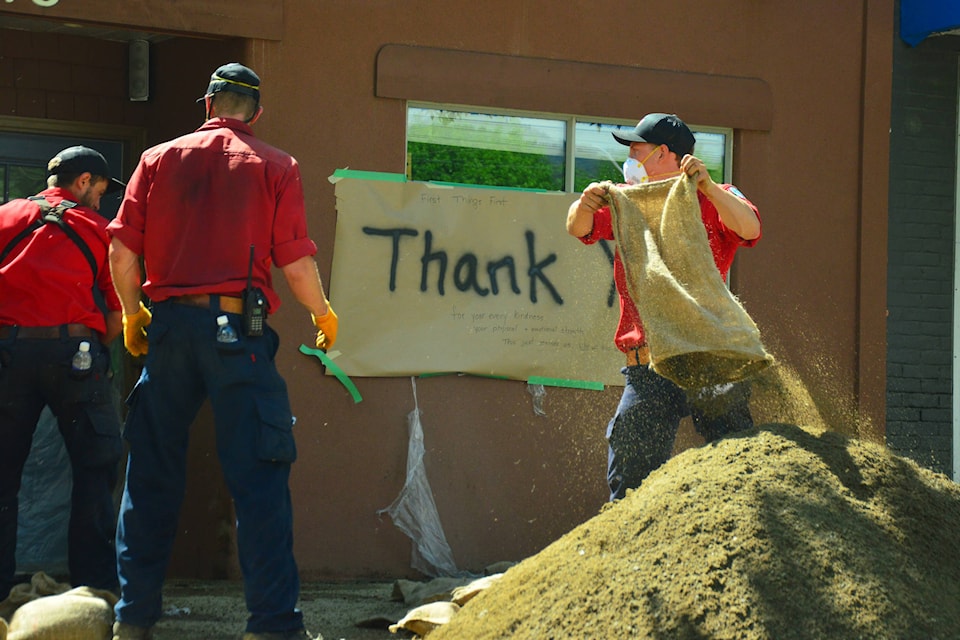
<point x="228" y="304"/>
<point x="47" y="333"/>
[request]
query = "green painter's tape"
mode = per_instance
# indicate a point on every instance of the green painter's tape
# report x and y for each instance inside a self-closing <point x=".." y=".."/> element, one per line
<point x="561" y="382"/>
<point x="337" y="371"/>
<point x="369" y="175"/>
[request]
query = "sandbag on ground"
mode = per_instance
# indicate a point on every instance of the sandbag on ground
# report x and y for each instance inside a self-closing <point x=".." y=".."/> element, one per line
<point x="79" y="614"/>
<point x="40" y="585"/>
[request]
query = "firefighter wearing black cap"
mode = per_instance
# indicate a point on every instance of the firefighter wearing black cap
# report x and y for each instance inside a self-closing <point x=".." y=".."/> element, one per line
<point x="211" y="212"/>
<point x="56" y="295"/>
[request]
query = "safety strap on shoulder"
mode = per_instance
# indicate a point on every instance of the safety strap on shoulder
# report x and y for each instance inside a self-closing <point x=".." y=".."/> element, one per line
<point x="54" y="215"/>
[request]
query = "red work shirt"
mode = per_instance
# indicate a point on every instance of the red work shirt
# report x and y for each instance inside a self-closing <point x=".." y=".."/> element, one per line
<point x="46" y="280"/>
<point x="723" y="243"/>
<point x="195" y="204"/>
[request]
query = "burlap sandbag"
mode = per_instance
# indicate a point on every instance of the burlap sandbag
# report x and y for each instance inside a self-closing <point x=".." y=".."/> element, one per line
<point x="79" y="614"/>
<point x="414" y="593"/>
<point x="463" y="595"/>
<point x="426" y="618"/>
<point x="40" y="585"/>
<point x="698" y="333"/>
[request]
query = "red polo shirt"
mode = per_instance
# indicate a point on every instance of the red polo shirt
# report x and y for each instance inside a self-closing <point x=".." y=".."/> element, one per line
<point x="723" y="243"/>
<point x="46" y="281"/>
<point x="195" y="204"/>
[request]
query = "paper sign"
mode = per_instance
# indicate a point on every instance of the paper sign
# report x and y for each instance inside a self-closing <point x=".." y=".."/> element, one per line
<point x="433" y="278"/>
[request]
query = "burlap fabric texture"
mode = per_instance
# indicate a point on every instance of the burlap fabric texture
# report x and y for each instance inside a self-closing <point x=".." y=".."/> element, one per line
<point x="698" y="333"/>
<point x="46" y="609"/>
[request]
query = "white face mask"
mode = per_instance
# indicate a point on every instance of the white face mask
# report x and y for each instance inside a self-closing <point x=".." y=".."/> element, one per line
<point x="633" y="171"/>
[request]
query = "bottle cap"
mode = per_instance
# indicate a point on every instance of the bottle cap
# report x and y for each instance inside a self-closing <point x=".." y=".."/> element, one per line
<point x="84" y="346"/>
<point x="222" y="320"/>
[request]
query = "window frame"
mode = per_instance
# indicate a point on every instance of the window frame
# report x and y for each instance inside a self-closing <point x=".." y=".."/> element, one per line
<point x="570" y="121"/>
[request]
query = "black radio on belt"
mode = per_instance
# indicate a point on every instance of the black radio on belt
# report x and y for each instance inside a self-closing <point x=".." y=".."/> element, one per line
<point x="254" y="305"/>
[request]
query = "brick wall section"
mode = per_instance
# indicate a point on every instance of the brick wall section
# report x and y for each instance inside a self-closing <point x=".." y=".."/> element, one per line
<point x="923" y="153"/>
<point x="64" y="77"/>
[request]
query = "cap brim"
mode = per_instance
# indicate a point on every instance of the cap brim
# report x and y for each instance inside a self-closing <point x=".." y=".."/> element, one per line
<point x="114" y="185"/>
<point x="627" y="138"/>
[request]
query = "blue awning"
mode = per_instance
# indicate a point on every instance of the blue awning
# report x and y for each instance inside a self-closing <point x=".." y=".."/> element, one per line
<point x="920" y="18"/>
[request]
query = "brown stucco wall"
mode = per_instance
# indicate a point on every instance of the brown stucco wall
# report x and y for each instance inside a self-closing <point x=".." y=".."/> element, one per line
<point x="507" y="482"/>
<point x="814" y="284"/>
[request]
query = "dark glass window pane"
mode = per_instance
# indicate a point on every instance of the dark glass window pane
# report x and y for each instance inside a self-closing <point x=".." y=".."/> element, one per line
<point x="25" y="181"/>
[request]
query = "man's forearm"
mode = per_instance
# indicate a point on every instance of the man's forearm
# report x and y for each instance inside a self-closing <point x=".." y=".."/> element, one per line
<point x="125" y="271"/>
<point x="579" y="220"/>
<point x="734" y="212"/>
<point x="304" y="280"/>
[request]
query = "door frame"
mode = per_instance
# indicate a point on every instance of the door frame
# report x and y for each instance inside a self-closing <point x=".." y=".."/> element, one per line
<point x="133" y="139"/>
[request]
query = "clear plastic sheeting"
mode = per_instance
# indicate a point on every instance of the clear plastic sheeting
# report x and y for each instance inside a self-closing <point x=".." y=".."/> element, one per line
<point x="46" y="484"/>
<point x="415" y="513"/>
<point x="539" y="393"/>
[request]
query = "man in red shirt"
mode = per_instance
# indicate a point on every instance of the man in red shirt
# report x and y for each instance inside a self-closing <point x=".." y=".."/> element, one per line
<point x="641" y="435"/>
<point x="209" y="212"/>
<point x="55" y="295"/>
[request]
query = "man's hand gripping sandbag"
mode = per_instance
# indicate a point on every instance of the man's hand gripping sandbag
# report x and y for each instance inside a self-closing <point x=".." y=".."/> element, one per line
<point x="326" y="328"/>
<point x="134" y="331"/>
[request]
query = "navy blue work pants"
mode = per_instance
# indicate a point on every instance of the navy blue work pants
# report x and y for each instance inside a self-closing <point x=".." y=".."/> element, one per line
<point x="184" y="366"/>
<point x="34" y="373"/>
<point x="642" y="433"/>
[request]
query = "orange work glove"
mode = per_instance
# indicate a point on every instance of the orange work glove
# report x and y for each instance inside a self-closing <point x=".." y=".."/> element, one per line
<point x="134" y="334"/>
<point x="327" y="325"/>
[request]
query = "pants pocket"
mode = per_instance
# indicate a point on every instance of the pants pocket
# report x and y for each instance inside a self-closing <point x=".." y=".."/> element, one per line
<point x="275" y="442"/>
<point x="102" y="445"/>
<point x="93" y="385"/>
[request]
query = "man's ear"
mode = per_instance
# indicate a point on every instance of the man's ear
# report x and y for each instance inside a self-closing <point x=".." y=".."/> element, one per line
<point x="82" y="182"/>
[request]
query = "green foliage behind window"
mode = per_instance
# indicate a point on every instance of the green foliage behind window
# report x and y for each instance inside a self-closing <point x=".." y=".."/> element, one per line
<point x="529" y="151"/>
<point x="20" y="181"/>
<point x="445" y="163"/>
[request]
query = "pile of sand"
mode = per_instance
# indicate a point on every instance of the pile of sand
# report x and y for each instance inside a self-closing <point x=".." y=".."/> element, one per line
<point x="779" y="532"/>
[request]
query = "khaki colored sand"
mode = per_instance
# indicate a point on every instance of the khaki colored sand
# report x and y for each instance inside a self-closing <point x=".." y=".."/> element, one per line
<point x="780" y="532"/>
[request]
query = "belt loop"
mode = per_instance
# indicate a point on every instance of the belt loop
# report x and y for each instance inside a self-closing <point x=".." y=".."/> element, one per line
<point x="64" y="332"/>
<point x="215" y="303"/>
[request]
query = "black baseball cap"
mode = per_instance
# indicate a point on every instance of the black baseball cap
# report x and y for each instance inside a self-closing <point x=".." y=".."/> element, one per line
<point x="79" y="159"/>
<point x="661" y="128"/>
<point x="236" y="78"/>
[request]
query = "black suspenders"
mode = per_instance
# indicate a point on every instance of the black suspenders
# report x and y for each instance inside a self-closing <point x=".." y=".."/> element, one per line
<point x="54" y="215"/>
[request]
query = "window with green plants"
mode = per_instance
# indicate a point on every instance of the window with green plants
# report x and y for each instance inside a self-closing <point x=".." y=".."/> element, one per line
<point x="530" y="150"/>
